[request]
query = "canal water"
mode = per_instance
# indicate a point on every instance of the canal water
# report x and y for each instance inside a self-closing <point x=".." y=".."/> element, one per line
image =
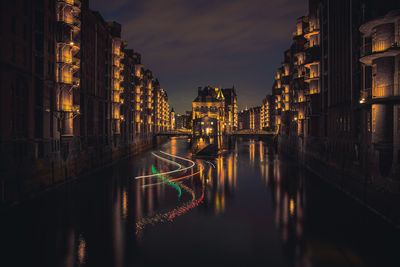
<point x="247" y="207"/>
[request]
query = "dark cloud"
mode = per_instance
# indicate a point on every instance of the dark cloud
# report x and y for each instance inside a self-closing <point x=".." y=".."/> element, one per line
<point x="195" y="43"/>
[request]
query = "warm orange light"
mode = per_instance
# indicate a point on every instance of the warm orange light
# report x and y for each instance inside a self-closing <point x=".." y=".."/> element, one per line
<point x="291" y="206"/>
<point x="184" y="177"/>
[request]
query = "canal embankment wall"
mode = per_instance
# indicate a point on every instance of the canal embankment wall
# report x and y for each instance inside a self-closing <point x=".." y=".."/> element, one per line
<point x="26" y="180"/>
<point x="357" y="176"/>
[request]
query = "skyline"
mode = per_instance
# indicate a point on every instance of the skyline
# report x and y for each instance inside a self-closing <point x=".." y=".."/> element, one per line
<point x="220" y="48"/>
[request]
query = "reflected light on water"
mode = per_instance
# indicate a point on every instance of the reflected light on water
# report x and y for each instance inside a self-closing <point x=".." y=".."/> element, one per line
<point x="230" y="169"/>
<point x="252" y="147"/>
<point x="170" y="215"/>
<point x="285" y="210"/>
<point x="120" y="223"/>
<point x="180" y="210"/>
<point x="168" y="182"/>
<point x="291" y="207"/>
<point x="81" y="250"/>
<point x="173" y="145"/>
<point x="219" y="203"/>
<point x="124" y="204"/>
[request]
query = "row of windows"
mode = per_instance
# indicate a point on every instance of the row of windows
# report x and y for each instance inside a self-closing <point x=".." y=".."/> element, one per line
<point x="206" y="109"/>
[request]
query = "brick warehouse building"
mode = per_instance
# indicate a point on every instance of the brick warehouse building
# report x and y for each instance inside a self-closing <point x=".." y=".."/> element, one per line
<point x="322" y="92"/>
<point x="71" y="97"/>
<point x="336" y="95"/>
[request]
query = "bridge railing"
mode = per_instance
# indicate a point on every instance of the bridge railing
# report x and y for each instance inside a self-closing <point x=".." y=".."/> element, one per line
<point x="176" y="133"/>
<point x="251" y="132"/>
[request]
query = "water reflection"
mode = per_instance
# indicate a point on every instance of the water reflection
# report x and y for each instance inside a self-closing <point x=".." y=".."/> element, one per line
<point x="287" y="197"/>
<point x="246" y="207"/>
<point x="81" y="250"/>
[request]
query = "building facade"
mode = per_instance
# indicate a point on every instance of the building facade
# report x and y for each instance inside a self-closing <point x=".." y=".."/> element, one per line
<point x="219" y="104"/>
<point x="244" y="119"/>
<point x="255" y="119"/>
<point x="208" y="106"/>
<point x="380" y="93"/>
<point x="231" y="109"/>
<point x="73" y="96"/>
<point x="335" y="98"/>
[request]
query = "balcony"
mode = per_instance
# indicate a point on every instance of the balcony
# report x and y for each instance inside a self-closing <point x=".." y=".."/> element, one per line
<point x="380" y="48"/>
<point x="65" y="40"/>
<point x="74" y="109"/>
<point x="66" y="35"/>
<point x="311" y="76"/>
<point x="380" y="94"/>
<point x="309" y="46"/>
<point x="74" y="62"/>
<point x="313" y="56"/>
<point x="308" y="32"/>
<point x="310" y="92"/>
<point x="74" y="81"/>
<point x="298" y="75"/>
<point x="118" y="54"/>
<point x="116" y="63"/>
<point x="72" y="20"/>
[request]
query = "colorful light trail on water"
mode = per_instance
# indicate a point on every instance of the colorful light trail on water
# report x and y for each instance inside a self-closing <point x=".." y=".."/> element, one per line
<point x="182" y="210"/>
<point x="173" y="180"/>
<point x="178" y="211"/>
<point x="174" y="171"/>
<point x="185" y="159"/>
<point x="209" y="162"/>
<point x="167" y="160"/>
<point x="184" y="177"/>
<point x="166" y="181"/>
<point x="162" y="217"/>
<point x="179" y="169"/>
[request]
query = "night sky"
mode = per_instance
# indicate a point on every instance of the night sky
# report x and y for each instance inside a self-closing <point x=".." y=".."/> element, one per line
<point x="192" y="43"/>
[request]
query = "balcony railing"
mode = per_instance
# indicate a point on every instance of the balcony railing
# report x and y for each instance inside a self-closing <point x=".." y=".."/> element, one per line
<point x="312" y="75"/>
<point x="385" y="91"/>
<point x="75" y="81"/>
<point x="73" y="21"/>
<point x="64" y="37"/>
<point x="309" y="46"/>
<point x="380" y="92"/>
<point x="378" y="46"/>
<point x="66" y="60"/>
<point x="310" y="29"/>
<point x="70" y="60"/>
